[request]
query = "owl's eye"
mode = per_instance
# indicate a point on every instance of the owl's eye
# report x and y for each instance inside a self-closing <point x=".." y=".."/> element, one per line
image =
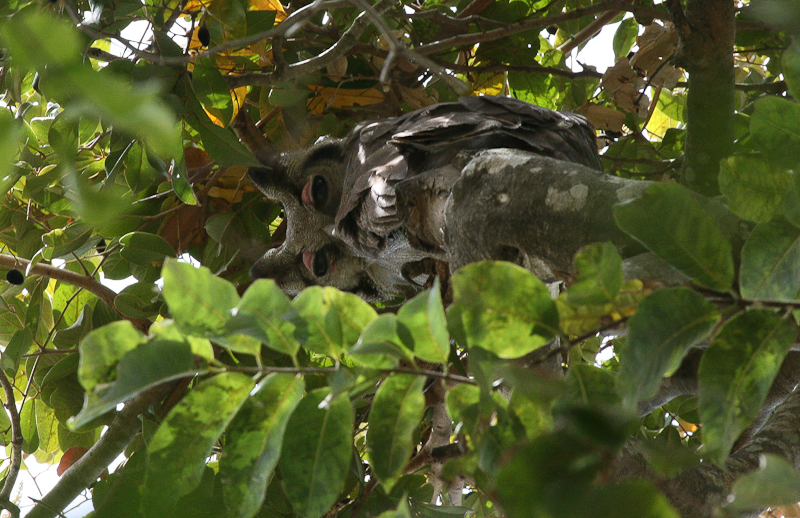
<point x="319" y="191"/>
<point x="319" y="267"/>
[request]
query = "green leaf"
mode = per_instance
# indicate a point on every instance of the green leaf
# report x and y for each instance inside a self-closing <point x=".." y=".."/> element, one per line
<point x="102" y="349"/>
<point x="328" y="321"/>
<point x="46" y="427"/>
<point x="422" y="325"/>
<point x="770" y="266"/>
<point x="212" y="90"/>
<point x="37" y="40"/>
<point x="146" y="366"/>
<point x="254" y="441"/>
<point x="625" y="37"/>
<point x="139" y="300"/>
<point x="775" y="128"/>
<point x="736" y="373"/>
<point x="395" y="414"/>
<point x="754" y="188"/>
<point x="10" y="133"/>
<point x="671" y="224"/>
<point x="599" y="276"/>
<point x="178" y="451"/>
<point x="259" y="314"/>
<point x="200" y="302"/>
<point x="142" y="248"/>
<point x="167" y="330"/>
<point x="790" y="66"/>
<point x="588" y="385"/>
<point x="462" y="399"/>
<point x="15" y="349"/>
<point x="180" y="181"/>
<point x="628" y="499"/>
<point x="534" y="482"/>
<point x="27" y="421"/>
<point x="666" y="324"/>
<point x="259" y="21"/>
<point x="379" y="345"/>
<point x="317" y="452"/>
<point x="220" y="144"/>
<point x="502" y="308"/>
<point x="776" y="483"/>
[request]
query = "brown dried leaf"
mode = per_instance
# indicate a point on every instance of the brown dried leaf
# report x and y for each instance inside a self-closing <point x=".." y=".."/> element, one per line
<point x="328" y="97"/>
<point x="603" y="117"/>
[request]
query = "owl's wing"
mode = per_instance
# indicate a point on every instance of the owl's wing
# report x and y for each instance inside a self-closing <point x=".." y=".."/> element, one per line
<point x="490" y="122"/>
<point x="380" y="155"/>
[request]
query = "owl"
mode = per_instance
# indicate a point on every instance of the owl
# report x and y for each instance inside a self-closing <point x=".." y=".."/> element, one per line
<point x="371" y="213"/>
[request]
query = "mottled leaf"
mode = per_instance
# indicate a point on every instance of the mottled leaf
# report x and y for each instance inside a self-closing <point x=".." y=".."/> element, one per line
<point x="670" y="223"/>
<point x="395" y="414"/>
<point x="144" y="367"/>
<point x="199" y="301"/>
<point x="501" y="307"/>
<point x="770" y="266"/>
<point x="260" y="315"/>
<point x="178" y="451"/>
<point x="667" y="323"/>
<point x="422" y="325"/>
<point x="328" y="321"/>
<point x="102" y="349"/>
<point x="599" y="275"/>
<point x="775" y="128"/>
<point x="254" y="443"/>
<point x="736" y="373"/>
<point x="317" y="452"/>
<point x="754" y="188"/>
<point x="776" y="483"/>
<point x="379" y="345"/>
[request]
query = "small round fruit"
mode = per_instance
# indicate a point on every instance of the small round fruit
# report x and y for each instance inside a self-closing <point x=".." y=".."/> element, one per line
<point x="15" y="277"/>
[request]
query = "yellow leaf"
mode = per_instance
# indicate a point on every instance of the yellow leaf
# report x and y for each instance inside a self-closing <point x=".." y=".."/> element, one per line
<point x="659" y="123"/>
<point x="269" y="5"/>
<point x="193" y="6"/>
<point x="489" y="84"/>
<point x="328" y="97"/>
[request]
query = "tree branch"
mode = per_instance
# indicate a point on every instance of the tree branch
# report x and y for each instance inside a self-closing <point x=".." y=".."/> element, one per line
<point x="82" y="281"/>
<point x="16" y="447"/>
<point x="86" y="282"/>
<point x="705" y="50"/>
<point x="88" y="468"/>
<point x="536" y="23"/>
<point x="331" y="54"/>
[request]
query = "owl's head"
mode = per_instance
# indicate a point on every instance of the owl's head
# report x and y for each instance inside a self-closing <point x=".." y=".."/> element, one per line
<point x="308" y="184"/>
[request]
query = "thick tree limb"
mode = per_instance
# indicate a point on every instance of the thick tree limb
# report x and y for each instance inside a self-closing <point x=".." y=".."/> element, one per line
<point x="696" y="492"/>
<point x="705" y="50"/>
<point x="88" y="468"/>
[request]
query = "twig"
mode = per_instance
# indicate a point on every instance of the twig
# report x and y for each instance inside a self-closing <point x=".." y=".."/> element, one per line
<point x="296" y="18"/>
<point x="535" y="69"/>
<point x="536" y="23"/>
<point x="348" y="39"/>
<point x="16" y="447"/>
<point x="397" y="49"/>
<point x="332" y="370"/>
<point x="589" y="31"/>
